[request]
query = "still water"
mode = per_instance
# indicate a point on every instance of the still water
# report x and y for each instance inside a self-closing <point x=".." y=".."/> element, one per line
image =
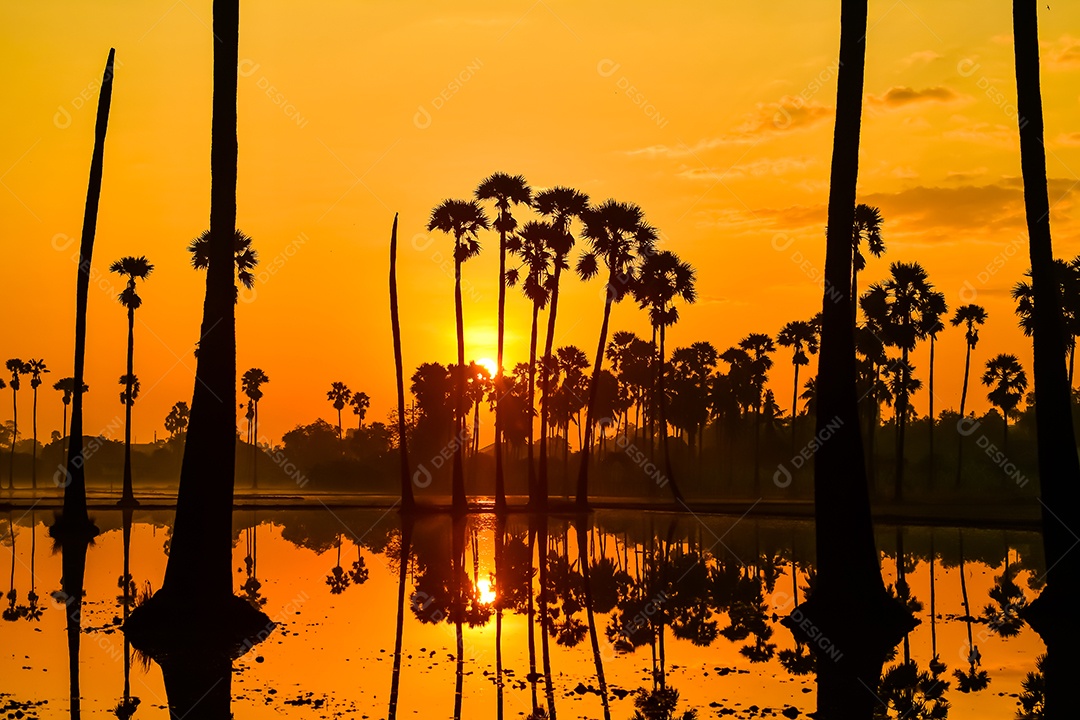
<point x="671" y="602"/>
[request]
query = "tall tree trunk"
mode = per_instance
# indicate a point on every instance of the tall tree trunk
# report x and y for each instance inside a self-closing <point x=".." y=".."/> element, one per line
<point x="500" y="479"/>
<point x="963" y="402"/>
<point x="75" y="519"/>
<point x="459" y="501"/>
<point x="395" y="676"/>
<point x="255" y="445"/>
<point x="931" y="408"/>
<point x="536" y="501"/>
<point x="128" y="496"/>
<point x="33" y="457"/>
<point x="663" y="425"/>
<point x="545" y="380"/>
<point x="408" y="503"/>
<point x="1052" y="614"/>
<point x="849" y="606"/>
<point x="901" y="428"/>
<point x="594" y="383"/>
<point x="14" y="436"/>
<point x="794" y="407"/>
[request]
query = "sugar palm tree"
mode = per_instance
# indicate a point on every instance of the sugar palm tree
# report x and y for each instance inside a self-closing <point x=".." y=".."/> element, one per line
<point x="932" y="325"/>
<point x="663" y="278"/>
<point x="561" y="206"/>
<point x="532" y="244"/>
<point x="1008" y="382"/>
<point x="37" y="369"/>
<point x="251" y="383"/>
<point x="902" y="307"/>
<point x="176" y="421"/>
<point x="17" y="368"/>
<point x="1051" y="614"/>
<point x="244" y="255"/>
<point x="802" y="337"/>
<point x="866" y="228"/>
<point x="849" y="604"/>
<point x="618" y="238"/>
<point x="360" y="403"/>
<point x="506" y="191"/>
<point x="133" y="268"/>
<point x="970" y="316"/>
<point x="463" y="219"/>
<point x="405" y="474"/>
<point x="67" y="387"/>
<point x="1067" y="275"/>
<point x="339" y="394"/>
<point x="758" y="346"/>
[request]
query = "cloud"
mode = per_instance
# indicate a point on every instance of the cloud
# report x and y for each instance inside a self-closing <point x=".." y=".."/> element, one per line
<point x="790" y="114"/>
<point x="901" y="96"/>
<point x="1068" y="139"/>
<point x="985" y="134"/>
<point x="758" y="168"/>
<point x="922" y="57"/>
<point x="1062" y="54"/>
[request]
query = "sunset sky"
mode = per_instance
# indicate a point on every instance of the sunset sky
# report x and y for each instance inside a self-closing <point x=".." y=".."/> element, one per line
<point x="715" y="117"/>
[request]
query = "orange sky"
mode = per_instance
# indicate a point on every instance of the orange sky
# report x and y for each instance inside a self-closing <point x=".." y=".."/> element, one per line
<point x="717" y="121"/>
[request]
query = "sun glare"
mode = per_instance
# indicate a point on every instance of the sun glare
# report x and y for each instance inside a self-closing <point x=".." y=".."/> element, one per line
<point x="487" y="593"/>
<point x="491" y="366"/>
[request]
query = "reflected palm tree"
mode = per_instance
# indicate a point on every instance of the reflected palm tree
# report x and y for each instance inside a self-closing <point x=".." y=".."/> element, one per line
<point x="541" y="532"/>
<point x="73" y="564"/>
<point x="974" y="679"/>
<point x="338" y="579"/>
<point x="252" y="588"/>
<point x="660" y="704"/>
<point x="582" y="539"/>
<point x="1004" y="616"/>
<point x="404" y="551"/>
<point x="128" y="703"/>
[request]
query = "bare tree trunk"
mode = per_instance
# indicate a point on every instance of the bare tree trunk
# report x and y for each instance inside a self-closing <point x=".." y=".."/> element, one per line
<point x="408" y="503"/>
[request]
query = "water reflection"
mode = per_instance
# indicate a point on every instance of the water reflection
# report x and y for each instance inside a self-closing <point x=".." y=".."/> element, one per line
<point x="522" y="616"/>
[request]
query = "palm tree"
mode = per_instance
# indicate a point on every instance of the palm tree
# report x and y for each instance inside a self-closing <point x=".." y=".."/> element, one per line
<point x="1008" y="382"/>
<point x="532" y="245"/>
<point x="849" y="604"/>
<point x="505" y="190"/>
<point x="758" y="346"/>
<point x="74" y="522"/>
<point x="339" y="394"/>
<point x="251" y="383"/>
<point x="1051" y="614"/>
<point x="1067" y="275"/>
<point x="133" y="268"/>
<point x="932" y="325"/>
<point x="176" y="421"/>
<point x="902" y="307"/>
<point x="560" y="205"/>
<point x="245" y="256"/>
<point x="17" y="368"/>
<point x="662" y="279"/>
<point x="618" y="237"/>
<point x="36" y="369"/>
<point x="867" y="227"/>
<point x="407" y="502"/>
<point x="67" y="387"/>
<point x="802" y="337"/>
<point x="463" y="219"/>
<point x="971" y="316"/>
<point x="360" y="403"/>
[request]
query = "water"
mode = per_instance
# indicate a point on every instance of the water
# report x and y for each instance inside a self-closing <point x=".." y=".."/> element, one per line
<point x="718" y="584"/>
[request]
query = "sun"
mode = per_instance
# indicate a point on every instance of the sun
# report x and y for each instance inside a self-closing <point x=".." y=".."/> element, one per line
<point x="490" y="365"/>
<point x="487" y="593"/>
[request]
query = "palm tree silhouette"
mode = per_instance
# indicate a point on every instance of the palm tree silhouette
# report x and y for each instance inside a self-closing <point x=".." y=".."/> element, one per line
<point x="506" y="190"/>
<point x="176" y="421"/>
<point x="133" y="268"/>
<point x="902" y="307"/>
<point x="1008" y="382"/>
<point x="532" y="244"/>
<point x="1067" y="275"/>
<point x="128" y="704"/>
<point x="973" y="680"/>
<point x="560" y="205"/>
<point x="463" y="219"/>
<point x="970" y="316"/>
<point x="360" y="402"/>
<point x="408" y="504"/>
<point x="74" y="520"/>
<point x="1051" y="614"/>
<point x="67" y="387"/>
<point x="849" y="604"/>
<point x="932" y="325"/>
<point x="582" y="539"/>
<point x="802" y="337"/>
<point x="758" y="346"/>
<point x="619" y="238"/>
<point x="251" y="383"/>
<point x="245" y="257"/>
<point x="17" y="368"/>
<point x="339" y="394"/>
<point x="661" y="280"/>
<point x="867" y="227"/>
<point x="36" y="368"/>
